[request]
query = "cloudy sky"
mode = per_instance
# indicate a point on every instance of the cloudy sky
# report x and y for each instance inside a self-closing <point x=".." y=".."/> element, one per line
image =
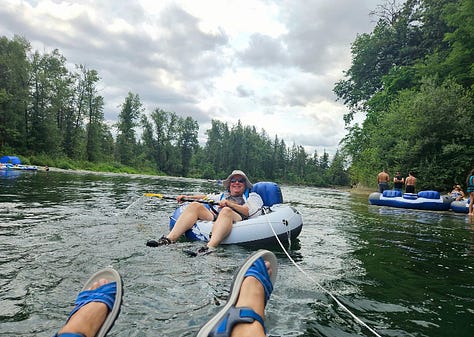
<point x="269" y="63"/>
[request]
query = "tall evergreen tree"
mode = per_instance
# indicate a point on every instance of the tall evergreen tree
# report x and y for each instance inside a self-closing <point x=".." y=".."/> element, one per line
<point x="48" y="75"/>
<point x="187" y="142"/>
<point x="14" y="74"/>
<point x="217" y="147"/>
<point x="126" y="146"/>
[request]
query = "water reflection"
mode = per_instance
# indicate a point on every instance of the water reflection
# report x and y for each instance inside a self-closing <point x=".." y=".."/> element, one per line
<point x="11" y="174"/>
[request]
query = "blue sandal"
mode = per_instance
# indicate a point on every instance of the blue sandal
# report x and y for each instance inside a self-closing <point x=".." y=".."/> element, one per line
<point x="222" y="323"/>
<point x="110" y="294"/>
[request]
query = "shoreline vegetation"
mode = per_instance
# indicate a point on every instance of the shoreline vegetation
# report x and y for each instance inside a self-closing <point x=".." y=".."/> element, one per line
<point x="116" y="168"/>
<point x="83" y="167"/>
<point x="70" y="165"/>
<point x="363" y="190"/>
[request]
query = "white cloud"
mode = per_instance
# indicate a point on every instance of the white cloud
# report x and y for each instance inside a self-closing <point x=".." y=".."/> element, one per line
<point x="272" y="64"/>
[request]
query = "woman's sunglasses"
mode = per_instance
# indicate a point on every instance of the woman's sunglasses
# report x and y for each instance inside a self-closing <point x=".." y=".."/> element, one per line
<point x="234" y="180"/>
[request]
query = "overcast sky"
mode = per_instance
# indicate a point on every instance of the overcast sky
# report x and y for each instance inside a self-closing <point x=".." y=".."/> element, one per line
<point x="269" y="63"/>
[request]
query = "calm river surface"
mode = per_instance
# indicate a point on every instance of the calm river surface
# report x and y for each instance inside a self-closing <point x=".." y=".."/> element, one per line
<point x="404" y="273"/>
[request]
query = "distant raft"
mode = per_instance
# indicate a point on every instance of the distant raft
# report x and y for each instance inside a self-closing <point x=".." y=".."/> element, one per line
<point x="275" y="219"/>
<point x="424" y="200"/>
<point x="460" y="206"/>
<point x="14" y="163"/>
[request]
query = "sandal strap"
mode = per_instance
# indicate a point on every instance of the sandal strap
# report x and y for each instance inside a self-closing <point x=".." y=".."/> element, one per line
<point x="260" y="272"/>
<point x="235" y="316"/>
<point x="164" y="241"/>
<point x="104" y="294"/>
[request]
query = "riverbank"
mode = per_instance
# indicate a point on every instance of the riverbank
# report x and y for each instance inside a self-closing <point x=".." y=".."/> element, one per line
<point x="362" y="190"/>
<point x="359" y="189"/>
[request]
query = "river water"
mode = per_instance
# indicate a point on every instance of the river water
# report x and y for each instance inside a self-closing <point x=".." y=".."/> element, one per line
<point x="402" y="272"/>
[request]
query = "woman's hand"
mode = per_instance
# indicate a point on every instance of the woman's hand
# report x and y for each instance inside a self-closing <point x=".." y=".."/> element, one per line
<point x="225" y="203"/>
<point x="180" y="198"/>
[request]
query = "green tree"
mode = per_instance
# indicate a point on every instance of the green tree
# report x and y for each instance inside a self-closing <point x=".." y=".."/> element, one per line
<point x="14" y="72"/>
<point x="458" y="63"/>
<point x="165" y="130"/>
<point x="72" y="119"/>
<point x="297" y="164"/>
<point x="336" y="173"/>
<point x="126" y="147"/>
<point x="408" y="95"/>
<point x="107" y="143"/>
<point x="187" y="142"/>
<point x="149" y="144"/>
<point x="48" y="76"/>
<point x="217" y="149"/>
<point x="280" y="159"/>
<point x="95" y="117"/>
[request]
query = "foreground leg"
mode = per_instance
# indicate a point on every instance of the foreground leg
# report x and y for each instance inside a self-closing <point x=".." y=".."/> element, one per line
<point x="252" y="295"/>
<point x="97" y="306"/>
<point x="244" y="311"/>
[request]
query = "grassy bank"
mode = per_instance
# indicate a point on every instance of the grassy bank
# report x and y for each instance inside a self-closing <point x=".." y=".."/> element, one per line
<point x="68" y="164"/>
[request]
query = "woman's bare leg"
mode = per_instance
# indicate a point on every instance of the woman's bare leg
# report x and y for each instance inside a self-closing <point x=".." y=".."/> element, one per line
<point x="222" y="226"/>
<point x="471" y="204"/>
<point x="188" y="218"/>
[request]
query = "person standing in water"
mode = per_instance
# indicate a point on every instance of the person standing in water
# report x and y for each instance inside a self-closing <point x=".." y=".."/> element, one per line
<point x="470" y="191"/>
<point x="398" y="181"/>
<point x="382" y="181"/>
<point x="410" y="182"/>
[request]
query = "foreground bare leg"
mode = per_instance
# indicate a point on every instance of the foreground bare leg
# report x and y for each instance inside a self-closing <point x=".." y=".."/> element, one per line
<point x="89" y="318"/>
<point x="251" y="295"/>
<point x="251" y="288"/>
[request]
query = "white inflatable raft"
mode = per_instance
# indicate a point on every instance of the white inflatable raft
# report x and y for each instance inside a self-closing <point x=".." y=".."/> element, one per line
<point x="276" y="218"/>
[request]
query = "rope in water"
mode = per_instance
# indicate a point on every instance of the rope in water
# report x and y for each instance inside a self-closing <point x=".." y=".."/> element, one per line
<point x="357" y="319"/>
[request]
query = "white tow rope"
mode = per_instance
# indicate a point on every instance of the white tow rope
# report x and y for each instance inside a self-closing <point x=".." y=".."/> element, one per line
<point x="357" y="319"/>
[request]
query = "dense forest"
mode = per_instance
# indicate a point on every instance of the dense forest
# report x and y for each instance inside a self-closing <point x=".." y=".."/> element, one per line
<point x="51" y="115"/>
<point x="411" y="79"/>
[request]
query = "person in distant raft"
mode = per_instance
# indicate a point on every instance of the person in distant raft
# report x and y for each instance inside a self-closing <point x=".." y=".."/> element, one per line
<point x="457" y="193"/>
<point x="410" y="182"/>
<point x="233" y="205"/>
<point x="382" y="180"/>
<point x="470" y="191"/>
<point x="398" y="181"/>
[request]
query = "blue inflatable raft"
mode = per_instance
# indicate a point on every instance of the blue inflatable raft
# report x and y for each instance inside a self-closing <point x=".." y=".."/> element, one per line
<point x="424" y="200"/>
<point x="461" y="206"/>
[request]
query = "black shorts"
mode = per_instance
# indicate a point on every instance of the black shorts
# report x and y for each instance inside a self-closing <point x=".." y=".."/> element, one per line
<point x="410" y="189"/>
